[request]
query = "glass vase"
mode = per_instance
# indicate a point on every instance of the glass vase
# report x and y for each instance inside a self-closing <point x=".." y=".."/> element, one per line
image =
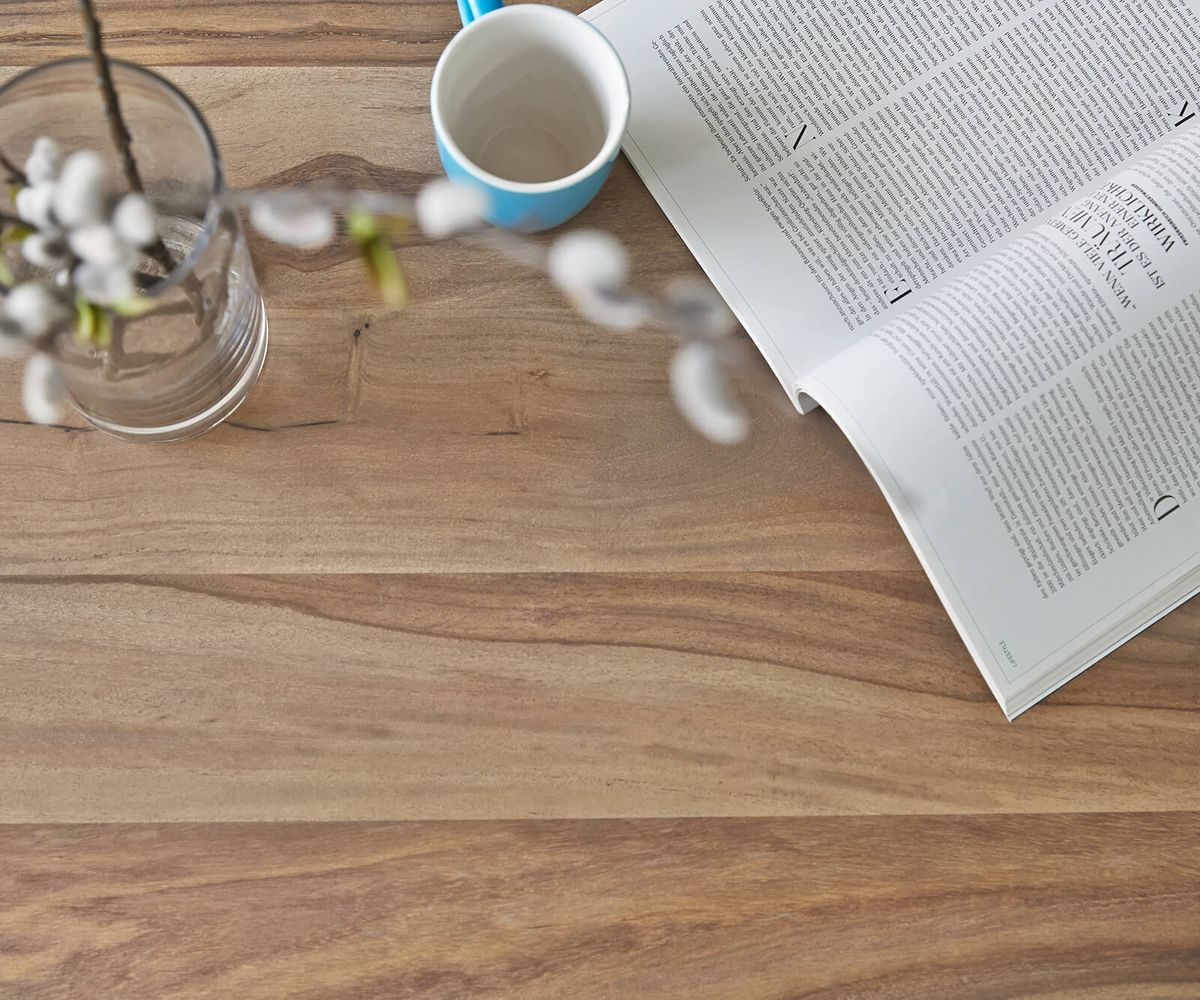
<point x="185" y="365"/>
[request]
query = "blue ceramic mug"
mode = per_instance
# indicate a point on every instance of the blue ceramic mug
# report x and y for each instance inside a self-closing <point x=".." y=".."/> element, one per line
<point x="529" y="104"/>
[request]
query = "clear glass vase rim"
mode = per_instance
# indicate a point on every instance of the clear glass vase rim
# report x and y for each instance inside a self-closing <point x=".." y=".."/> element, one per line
<point x="213" y="211"/>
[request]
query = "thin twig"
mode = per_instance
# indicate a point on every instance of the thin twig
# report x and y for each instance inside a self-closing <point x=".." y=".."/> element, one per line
<point x="114" y="354"/>
<point x="117" y="128"/>
<point x="15" y="174"/>
<point x="336" y="199"/>
<point x="123" y="141"/>
<point x="516" y="246"/>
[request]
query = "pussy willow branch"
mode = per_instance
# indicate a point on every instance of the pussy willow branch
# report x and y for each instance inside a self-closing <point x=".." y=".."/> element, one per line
<point x="123" y="141"/>
<point x="534" y="256"/>
<point x="15" y="174"/>
<point x="518" y="248"/>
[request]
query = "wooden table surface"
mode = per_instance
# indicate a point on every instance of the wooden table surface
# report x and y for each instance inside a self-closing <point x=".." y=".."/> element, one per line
<point x="457" y="665"/>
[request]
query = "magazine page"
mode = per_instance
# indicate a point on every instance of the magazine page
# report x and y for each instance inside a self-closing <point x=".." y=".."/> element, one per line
<point x="828" y="162"/>
<point x="1036" y="425"/>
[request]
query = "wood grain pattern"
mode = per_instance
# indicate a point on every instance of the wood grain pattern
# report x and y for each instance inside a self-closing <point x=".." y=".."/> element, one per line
<point x="394" y="451"/>
<point x="463" y="567"/>
<point x="485" y="428"/>
<point x="438" y="697"/>
<point x="228" y="33"/>
<point x="920" y="908"/>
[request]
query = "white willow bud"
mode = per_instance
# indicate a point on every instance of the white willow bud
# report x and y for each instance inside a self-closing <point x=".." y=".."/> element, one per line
<point x="103" y="285"/>
<point x="293" y="220"/>
<point x="82" y="189"/>
<point x="34" y="308"/>
<point x="43" y="390"/>
<point x="99" y="244"/>
<point x="35" y="205"/>
<point x="135" y="220"/>
<point x="445" y="208"/>
<point x="587" y="260"/>
<point x="701" y="395"/>
<point x="45" y="161"/>
<point x="614" y="310"/>
<point x="46" y="252"/>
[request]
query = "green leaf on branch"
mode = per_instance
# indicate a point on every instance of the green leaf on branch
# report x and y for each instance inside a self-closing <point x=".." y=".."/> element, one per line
<point x="92" y="324"/>
<point x="386" y="272"/>
<point x="15" y="232"/>
<point x="137" y="306"/>
<point x="361" y="225"/>
<point x="6" y="275"/>
<point x="372" y="236"/>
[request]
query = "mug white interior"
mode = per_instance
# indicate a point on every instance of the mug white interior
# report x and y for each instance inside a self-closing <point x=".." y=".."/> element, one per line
<point x="531" y="95"/>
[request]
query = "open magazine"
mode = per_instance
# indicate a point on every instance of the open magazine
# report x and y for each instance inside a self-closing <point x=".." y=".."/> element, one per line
<point x="971" y="232"/>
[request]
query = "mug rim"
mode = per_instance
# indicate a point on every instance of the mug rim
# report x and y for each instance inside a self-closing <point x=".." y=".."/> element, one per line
<point x="612" y="141"/>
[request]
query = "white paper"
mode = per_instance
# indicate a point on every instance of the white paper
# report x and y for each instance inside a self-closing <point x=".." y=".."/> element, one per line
<point x="893" y="141"/>
<point x="897" y="200"/>
<point x="1045" y="458"/>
